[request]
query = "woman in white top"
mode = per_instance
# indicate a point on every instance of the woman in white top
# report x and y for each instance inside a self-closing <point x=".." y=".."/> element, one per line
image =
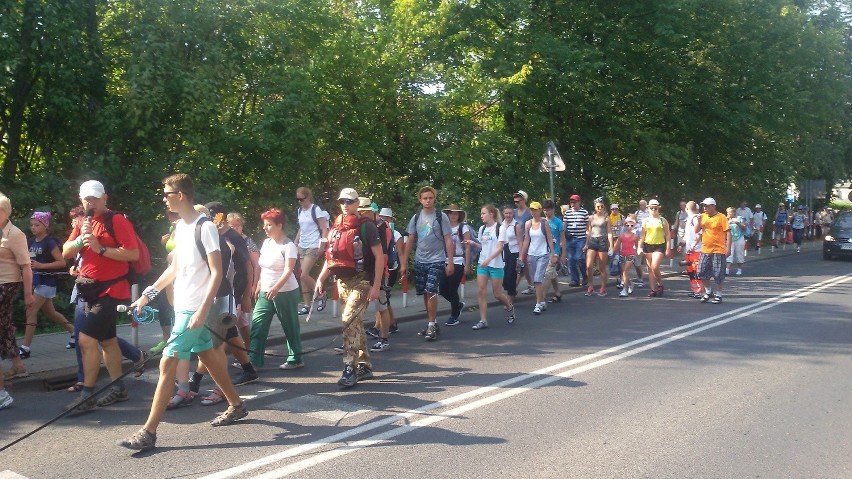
<point x="511" y="251"/>
<point x="449" y="288"/>
<point x="313" y="225"/>
<point x="537" y="252"/>
<point x="276" y="292"/>
<point x="491" y="239"/>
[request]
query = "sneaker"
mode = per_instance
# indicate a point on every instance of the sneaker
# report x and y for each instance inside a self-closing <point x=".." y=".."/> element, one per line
<point x="246" y="378"/>
<point x="194" y="387"/>
<point x="463" y="305"/>
<point x="431" y="333"/>
<point x="82" y="405"/>
<point x="585" y="281"/>
<point x="705" y="298"/>
<point x="292" y="366"/>
<point x="510" y="315"/>
<point x="15" y="373"/>
<point x="71" y="343"/>
<point x="380" y="346"/>
<point x="363" y="373"/>
<point x="629" y="289"/>
<point x="716" y="300"/>
<point x="114" y="395"/>
<point x="236" y="364"/>
<point x="303" y="310"/>
<point x="339" y="349"/>
<point x="739" y="272"/>
<point x="529" y="290"/>
<point x="452" y="321"/>
<point x="573" y="284"/>
<point x="660" y="291"/>
<point x="727" y="271"/>
<point x="24" y="352"/>
<point x="640" y="284"/>
<point x="590" y="291"/>
<point x="619" y="285"/>
<point x="373" y="332"/>
<point x="348" y="378"/>
<point x="141" y="440"/>
<point x="537" y="309"/>
<point x="652" y="294"/>
<point x="602" y="291"/>
<point x="393" y="328"/>
<point x="623" y="293"/>
<point x="5" y="399"/>
<point x="230" y="415"/>
<point x="479" y="325"/>
<point x="798" y="250"/>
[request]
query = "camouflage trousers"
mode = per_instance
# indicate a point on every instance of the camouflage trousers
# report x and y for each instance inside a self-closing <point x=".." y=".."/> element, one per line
<point x="353" y="295"/>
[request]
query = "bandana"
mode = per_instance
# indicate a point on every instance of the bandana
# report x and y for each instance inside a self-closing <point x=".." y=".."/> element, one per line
<point x="43" y="217"/>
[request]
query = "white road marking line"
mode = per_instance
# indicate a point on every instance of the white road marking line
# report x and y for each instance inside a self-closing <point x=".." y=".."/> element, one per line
<point x="667" y="336"/>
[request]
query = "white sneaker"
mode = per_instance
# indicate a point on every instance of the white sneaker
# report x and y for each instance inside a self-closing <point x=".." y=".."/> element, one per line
<point x="798" y="250"/>
<point x="739" y="272"/>
<point x="639" y="284"/>
<point x="629" y="290"/>
<point x="543" y="305"/>
<point x="727" y="272"/>
<point x="623" y="293"/>
<point x="537" y="309"/>
<point x="5" y="399"/>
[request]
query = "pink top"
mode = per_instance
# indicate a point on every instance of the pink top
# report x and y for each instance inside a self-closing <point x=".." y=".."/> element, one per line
<point x="628" y="244"/>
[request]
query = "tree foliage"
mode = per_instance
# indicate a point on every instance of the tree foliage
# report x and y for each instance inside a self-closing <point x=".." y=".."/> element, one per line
<point x="254" y="98"/>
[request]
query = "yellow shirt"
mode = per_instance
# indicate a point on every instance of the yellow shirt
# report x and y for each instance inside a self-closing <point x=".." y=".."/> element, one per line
<point x="715" y="233"/>
<point x="14" y="252"/>
<point x="654" y="230"/>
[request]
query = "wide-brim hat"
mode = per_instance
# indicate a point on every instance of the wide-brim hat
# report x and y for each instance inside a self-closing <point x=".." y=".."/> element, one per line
<point x="456" y="209"/>
<point x="365" y="204"/>
<point x="387" y="212"/>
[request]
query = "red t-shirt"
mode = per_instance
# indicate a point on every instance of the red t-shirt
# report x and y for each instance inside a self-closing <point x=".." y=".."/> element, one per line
<point x="102" y="268"/>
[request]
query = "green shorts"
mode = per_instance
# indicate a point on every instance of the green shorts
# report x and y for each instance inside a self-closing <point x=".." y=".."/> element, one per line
<point x="183" y="341"/>
<point x="490" y="271"/>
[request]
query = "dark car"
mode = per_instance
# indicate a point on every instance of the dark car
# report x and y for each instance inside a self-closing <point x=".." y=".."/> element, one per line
<point x="838" y="241"/>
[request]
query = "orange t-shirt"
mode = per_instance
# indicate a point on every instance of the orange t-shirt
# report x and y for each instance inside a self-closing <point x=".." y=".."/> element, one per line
<point x="715" y="236"/>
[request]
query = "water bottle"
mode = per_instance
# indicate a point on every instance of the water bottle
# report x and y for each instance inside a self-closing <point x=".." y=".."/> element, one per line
<point x="358" y="253"/>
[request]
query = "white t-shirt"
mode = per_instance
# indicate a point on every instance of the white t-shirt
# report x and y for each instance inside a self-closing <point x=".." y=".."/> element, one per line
<point x="458" y="257"/>
<point x="273" y="262"/>
<point x="689" y="234"/>
<point x="489" y="240"/>
<point x="511" y="237"/>
<point x="746" y="214"/>
<point x="193" y="273"/>
<point x="538" y="240"/>
<point x="759" y="218"/>
<point x="309" y="233"/>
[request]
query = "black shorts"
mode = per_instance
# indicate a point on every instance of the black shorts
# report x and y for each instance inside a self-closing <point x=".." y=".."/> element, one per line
<point x="599" y="244"/>
<point x="101" y="316"/>
<point x="654" y="248"/>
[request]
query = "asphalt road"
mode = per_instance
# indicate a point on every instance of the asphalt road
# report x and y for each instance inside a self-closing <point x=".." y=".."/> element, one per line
<point x="596" y="387"/>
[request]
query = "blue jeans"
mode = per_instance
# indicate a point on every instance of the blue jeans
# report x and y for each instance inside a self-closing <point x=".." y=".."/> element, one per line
<point x="128" y="350"/>
<point x="576" y="259"/>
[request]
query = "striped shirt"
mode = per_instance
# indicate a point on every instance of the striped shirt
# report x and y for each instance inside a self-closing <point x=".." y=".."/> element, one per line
<point x="575" y="223"/>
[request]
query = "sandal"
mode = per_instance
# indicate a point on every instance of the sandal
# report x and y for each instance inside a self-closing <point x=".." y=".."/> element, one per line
<point x="321" y="305"/>
<point x="480" y="325"/>
<point x="557" y="298"/>
<point x="215" y="397"/>
<point x="75" y="388"/>
<point x="140" y="365"/>
<point x="180" y="399"/>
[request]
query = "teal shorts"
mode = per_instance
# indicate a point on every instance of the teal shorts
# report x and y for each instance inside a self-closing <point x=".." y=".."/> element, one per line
<point x="490" y="271"/>
<point x="183" y="341"/>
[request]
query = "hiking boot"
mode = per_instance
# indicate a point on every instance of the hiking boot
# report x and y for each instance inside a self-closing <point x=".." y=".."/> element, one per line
<point x="246" y="378"/>
<point x="141" y="440"/>
<point x="363" y="373"/>
<point x="431" y="333"/>
<point x="348" y="378"/>
<point x="82" y="405"/>
<point x="114" y="395"/>
<point x="230" y="415"/>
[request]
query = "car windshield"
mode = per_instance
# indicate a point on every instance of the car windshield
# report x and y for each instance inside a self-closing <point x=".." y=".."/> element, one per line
<point x="843" y="221"/>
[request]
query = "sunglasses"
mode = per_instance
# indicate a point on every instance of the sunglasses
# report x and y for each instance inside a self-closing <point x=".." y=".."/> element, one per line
<point x="653" y="207"/>
<point x="517" y="201"/>
<point x="344" y="201"/>
<point x="300" y="199"/>
<point x="166" y="194"/>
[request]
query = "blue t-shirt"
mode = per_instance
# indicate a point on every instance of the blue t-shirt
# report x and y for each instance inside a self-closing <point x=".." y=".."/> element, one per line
<point x="556" y="227"/>
<point x="40" y="251"/>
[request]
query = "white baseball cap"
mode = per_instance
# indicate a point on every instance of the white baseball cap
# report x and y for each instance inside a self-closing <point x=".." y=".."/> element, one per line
<point x="91" y="188"/>
<point x="709" y="201"/>
<point x="348" y="194"/>
<point x="757" y="206"/>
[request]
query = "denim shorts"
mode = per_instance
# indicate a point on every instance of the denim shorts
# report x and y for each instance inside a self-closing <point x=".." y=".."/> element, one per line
<point x="48" y="292"/>
<point x="538" y="265"/>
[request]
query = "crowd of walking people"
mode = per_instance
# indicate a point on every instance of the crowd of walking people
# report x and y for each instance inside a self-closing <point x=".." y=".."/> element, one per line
<point x="220" y="291"/>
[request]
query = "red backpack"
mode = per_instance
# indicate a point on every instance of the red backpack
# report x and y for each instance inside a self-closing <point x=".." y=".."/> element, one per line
<point x="140" y="267"/>
<point x="341" y="241"/>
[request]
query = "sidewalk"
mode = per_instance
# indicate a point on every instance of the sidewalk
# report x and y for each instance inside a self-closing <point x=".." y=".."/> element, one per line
<point x="50" y="361"/>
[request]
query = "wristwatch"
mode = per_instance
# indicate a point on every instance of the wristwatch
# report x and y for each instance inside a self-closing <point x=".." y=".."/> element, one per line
<point x="102" y="251"/>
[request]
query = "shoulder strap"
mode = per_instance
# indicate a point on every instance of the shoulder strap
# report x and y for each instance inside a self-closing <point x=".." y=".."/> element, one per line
<point x="110" y="228"/>
<point x="198" y="243"/>
<point x="314" y="216"/>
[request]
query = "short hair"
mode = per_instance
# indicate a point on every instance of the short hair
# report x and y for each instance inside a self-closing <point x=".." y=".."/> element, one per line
<point x="181" y="182"/>
<point x="5" y="204"/>
<point x="493" y="210"/>
<point x="425" y="189"/>
<point x="547" y="204"/>
<point x="234" y="216"/>
<point x="306" y="192"/>
<point x="274" y="215"/>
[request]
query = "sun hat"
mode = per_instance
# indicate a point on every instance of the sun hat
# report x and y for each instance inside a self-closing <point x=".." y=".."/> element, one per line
<point x="365" y="204"/>
<point x="386" y="212"/>
<point x="654" y="202"/>
<point x="523" y="194"/>
<point x="455" y="209"/>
